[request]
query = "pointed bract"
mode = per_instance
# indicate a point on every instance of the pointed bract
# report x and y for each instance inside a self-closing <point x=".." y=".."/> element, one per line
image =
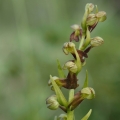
<point x="87" y="115"/>
<point x="60" y="97"/>
<point x="60" y="70"/>
<point x="86" y="80"/>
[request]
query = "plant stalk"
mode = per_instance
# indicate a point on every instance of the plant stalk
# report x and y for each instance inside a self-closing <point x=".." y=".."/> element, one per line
<point x="70" y="114"/>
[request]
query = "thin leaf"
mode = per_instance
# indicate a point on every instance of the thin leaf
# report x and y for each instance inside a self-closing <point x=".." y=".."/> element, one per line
<point x="61" y="99"/>
<point x="60" y="70"/>
<point x="86" y="80"/>
<point x="78" y="62"/>
<point x="87" y="115"/>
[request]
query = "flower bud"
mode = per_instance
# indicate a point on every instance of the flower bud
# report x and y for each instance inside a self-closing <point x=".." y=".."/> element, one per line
<point x="88" y="93"/>
<point x="91" y="19"/>
<point x="76" y="34"/>
<point x="90" y="7"/>
<point x="62" y="117"/>
<point x="68" y="47"/>
<point x="71" y="66"/>
<point x="101" y="16"/>
<point x="52" y="102"/>
<point x="96" y="41"/>
<point x="75" y="27"/>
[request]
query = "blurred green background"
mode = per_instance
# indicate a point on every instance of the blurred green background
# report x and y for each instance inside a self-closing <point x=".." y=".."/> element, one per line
<point x="32" y="33"/>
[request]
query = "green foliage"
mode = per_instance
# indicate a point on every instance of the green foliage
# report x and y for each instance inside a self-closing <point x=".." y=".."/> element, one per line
<point x="86" y="43"/>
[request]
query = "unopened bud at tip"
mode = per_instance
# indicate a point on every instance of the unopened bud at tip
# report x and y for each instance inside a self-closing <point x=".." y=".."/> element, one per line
<point x="90" y="7"/>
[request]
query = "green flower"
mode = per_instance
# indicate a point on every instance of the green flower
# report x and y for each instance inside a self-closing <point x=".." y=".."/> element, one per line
<point x="52" y="102"/>
<point x="96" y="41"/>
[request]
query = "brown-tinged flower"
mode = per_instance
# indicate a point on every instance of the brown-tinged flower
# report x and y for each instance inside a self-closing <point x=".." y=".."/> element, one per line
<point x="76" y="34"/>
<point x="59" y="82"/>
<point x="85" y="93"/>
<point x="92" y="22"/>
<point x="91" y="28"/>
<point x="70" y="82"/>
<point x="81" y="54"/>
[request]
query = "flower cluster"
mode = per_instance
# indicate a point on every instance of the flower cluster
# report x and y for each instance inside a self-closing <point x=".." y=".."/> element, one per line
<point x="74" y="66"/>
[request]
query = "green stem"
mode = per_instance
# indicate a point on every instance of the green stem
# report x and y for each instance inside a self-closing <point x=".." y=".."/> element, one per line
<point x="71" y="95"/>
<point x="70" y="114"/>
